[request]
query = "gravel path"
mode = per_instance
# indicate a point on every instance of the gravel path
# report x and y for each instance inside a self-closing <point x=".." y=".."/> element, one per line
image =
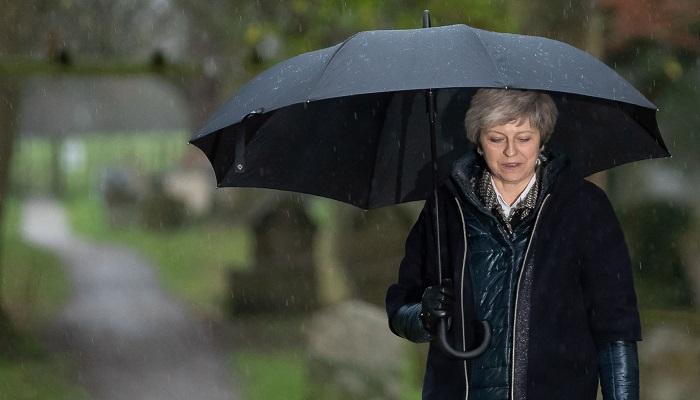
<point x="129" y="339"/>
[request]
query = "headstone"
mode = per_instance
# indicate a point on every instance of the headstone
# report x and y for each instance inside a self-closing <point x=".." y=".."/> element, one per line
<point x="353" y="355"/>
<point x="372" y="248"/>
<point x="160" y="210"/>
<point x="283" y="277"/>
<point x="122" y="189"/>
<point x="194" y="187"/>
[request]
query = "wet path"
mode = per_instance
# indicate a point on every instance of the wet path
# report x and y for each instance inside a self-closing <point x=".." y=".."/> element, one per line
<point x="129" y="339"/>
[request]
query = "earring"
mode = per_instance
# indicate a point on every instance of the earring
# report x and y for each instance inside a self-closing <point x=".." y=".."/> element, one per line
<point x="541" y="158"/>
<point x="479" y="151"/>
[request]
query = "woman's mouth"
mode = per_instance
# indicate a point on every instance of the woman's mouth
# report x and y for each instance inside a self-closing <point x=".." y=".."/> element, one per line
<point x="510" y="165"/>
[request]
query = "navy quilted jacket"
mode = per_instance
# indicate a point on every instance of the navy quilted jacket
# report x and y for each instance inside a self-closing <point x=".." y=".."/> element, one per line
<point x="573" y="291"/>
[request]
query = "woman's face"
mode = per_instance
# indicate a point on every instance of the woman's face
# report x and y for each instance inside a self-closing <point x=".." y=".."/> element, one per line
<point x="511" y="151"/>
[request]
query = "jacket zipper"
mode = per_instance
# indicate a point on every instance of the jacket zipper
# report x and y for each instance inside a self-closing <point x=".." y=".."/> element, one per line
<point x="517" y="292"/>
<point x="464" y="263"/>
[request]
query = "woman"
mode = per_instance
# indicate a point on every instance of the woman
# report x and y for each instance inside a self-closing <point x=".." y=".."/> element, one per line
<point x="534" y="249"/>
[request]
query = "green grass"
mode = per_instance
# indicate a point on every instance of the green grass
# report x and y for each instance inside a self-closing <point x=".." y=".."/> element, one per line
<point x="37" y="378"/>
<point x="192" y="262"/>
<point x="412" y="372"/>
<point x="283" y="375"/>
<point x="275" y="376"/>
<point x="271" y="361"/>
<point x="34" y="285"/>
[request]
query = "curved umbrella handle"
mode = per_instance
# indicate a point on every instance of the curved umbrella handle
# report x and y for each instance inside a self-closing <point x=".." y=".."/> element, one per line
<point x="441" y="342"/>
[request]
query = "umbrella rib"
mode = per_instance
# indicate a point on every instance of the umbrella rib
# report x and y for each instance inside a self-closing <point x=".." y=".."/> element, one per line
<point x="495" y="65"/>
<point x="376" y="153"/>
<point x="325" y="67"/>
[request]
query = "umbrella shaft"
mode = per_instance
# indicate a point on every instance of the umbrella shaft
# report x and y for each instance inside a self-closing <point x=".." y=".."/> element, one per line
<point x="430" y="103"/>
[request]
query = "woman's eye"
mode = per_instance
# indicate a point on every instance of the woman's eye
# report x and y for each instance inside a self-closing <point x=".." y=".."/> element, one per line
<point x="523" y="140"/>
<point x="495" y="140"/>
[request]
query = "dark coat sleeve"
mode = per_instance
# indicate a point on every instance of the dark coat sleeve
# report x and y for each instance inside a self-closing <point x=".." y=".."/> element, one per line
<point x="607" y="280"/>
<point x="410" y="285"/>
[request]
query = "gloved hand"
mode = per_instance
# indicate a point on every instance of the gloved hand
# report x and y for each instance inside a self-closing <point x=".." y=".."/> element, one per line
<point x="436" y="304"/>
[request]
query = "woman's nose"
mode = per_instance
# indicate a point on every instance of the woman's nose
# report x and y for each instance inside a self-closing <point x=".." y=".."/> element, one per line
<point x="509" y="151"/>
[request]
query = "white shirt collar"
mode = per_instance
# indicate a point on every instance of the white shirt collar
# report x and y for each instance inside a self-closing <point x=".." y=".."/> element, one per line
<point x="504" y="206"/>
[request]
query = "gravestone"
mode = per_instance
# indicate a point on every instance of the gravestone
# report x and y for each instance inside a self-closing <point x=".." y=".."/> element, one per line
<point x="193" y="187"/>
<point x="283" y="277"/>
<point x="122" y="189"/>
<point x="353" y="355"/>
<point x="372" y="248"/>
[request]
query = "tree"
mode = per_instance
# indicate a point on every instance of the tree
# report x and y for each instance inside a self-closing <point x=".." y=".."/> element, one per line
<point x="15" y="29"/>
<point x="652" y="43"/>
<point x="672" y="22"/>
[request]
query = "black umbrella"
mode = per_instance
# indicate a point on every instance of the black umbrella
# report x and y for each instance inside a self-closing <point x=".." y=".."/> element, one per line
<point x="351" y="122"/>
<point x="348" y="122"/>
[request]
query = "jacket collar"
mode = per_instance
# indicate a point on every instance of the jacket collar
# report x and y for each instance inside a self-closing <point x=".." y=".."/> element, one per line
<point x="556" y="171"/>
<point x="490" y="197"/>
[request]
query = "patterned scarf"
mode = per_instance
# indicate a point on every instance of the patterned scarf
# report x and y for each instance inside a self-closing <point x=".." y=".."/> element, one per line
<point x="489" y="198"/>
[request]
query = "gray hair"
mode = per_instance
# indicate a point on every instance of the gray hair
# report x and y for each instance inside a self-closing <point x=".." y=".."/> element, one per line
<point x="491" y="107"/>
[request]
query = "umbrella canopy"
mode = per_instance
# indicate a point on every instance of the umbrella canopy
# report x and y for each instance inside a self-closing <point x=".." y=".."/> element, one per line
<point x="349" y="122"/>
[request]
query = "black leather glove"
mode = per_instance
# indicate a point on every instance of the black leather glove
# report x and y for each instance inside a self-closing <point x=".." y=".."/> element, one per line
<point x="436" y="304"/>
<point x="619" y="370"/>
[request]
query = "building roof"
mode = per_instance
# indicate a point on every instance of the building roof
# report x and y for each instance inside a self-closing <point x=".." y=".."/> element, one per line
<point x="87" y="105"/>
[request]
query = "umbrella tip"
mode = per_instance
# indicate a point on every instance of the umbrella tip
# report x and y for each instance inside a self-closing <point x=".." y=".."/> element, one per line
<point x="426" y="18"/>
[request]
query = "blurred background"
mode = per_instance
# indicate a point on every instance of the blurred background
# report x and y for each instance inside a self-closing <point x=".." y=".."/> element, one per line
<point x="124" y="273"/>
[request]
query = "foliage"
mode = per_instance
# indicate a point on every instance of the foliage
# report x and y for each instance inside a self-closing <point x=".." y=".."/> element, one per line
<point x="93" y="27"/>
<point x="671" y="22"/>
<point x="572" y="22"/>
<point x="652" y="43"/>
<point x="655" y="230"/>
<point x="679" y="121"/>
<point x="247" y="37"/>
